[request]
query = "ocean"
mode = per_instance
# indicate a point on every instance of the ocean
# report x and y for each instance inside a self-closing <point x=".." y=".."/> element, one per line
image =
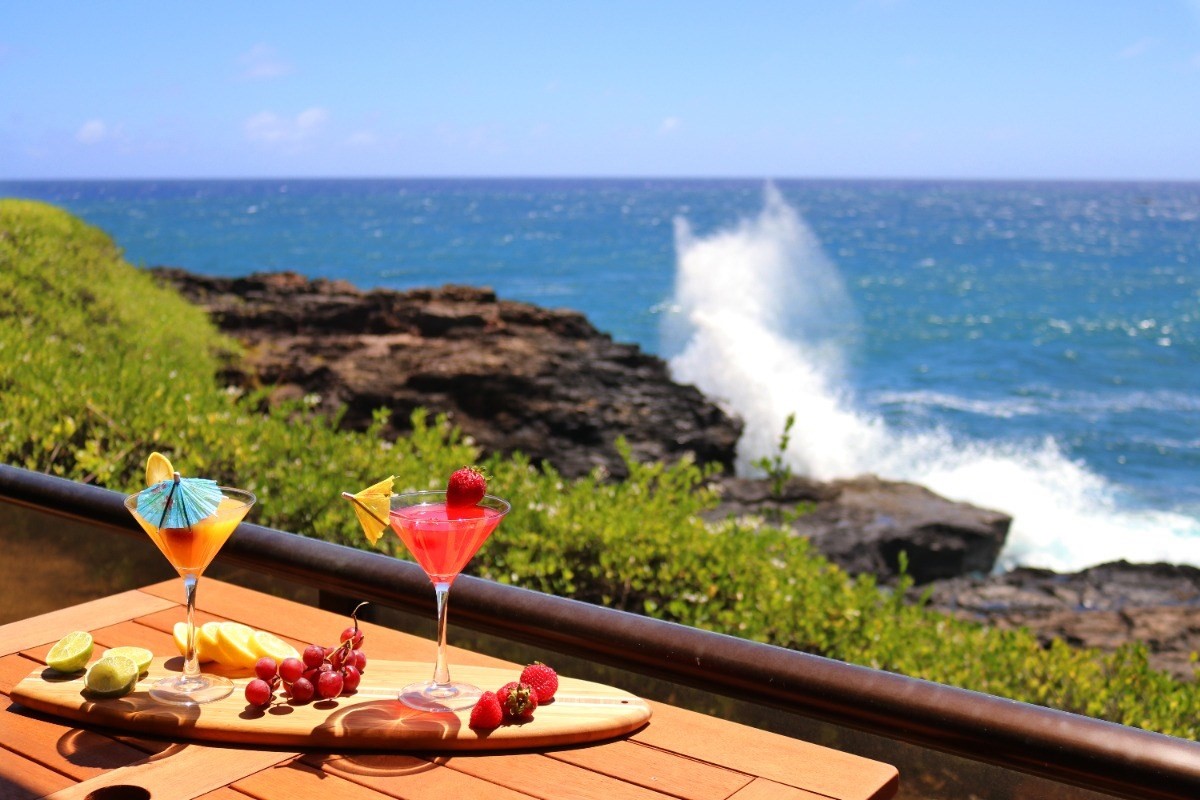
<point x="1030" y="347"/>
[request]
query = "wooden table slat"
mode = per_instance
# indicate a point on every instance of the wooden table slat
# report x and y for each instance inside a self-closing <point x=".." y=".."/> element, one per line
<point x="656" y="769"/>
<point x="543" y="777"/>
<point x="410" y="777"/>
<point x="296" y="780"/>
<point x="779" y="758"/>
<point x="81" y="754"/>
<point x="182" y="772"/>
<point x="21" y="777"/>
<point x="48" y="628"/>
<point x="763" y="789"/>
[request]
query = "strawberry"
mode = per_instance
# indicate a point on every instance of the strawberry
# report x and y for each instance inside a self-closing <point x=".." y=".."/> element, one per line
<point x="542" y="679"/>
<point x="466" y="487"/>
<point x="487" y="714"/>
<point x="518" y="701"/>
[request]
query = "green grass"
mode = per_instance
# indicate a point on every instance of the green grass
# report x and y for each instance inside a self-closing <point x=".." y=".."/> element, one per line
<point x="99" y="367"/>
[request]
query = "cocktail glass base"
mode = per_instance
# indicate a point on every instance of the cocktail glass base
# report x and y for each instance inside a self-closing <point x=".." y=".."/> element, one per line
<point x="186" y="691"/>
<point x="439" y="697"/>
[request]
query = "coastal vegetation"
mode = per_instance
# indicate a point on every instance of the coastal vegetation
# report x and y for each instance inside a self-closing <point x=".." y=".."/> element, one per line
<point x="99" y="366"/>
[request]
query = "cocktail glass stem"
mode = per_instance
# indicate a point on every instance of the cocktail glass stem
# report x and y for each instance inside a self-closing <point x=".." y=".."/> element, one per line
<point x="441" y="668"/>
<point x="191" y="662"/>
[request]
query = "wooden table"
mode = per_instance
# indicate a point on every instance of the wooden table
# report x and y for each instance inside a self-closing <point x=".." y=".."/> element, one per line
<point x="679" y="754"/>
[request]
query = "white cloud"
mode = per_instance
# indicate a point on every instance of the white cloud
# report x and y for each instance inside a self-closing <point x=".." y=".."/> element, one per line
<point x="1136" y="49"/>
<point x="271" y="128"/>
<point x="91" y="132"/>
<point x="670" y="125"/>
<point x="261" y="62"/>
<point x="362" y="139"/>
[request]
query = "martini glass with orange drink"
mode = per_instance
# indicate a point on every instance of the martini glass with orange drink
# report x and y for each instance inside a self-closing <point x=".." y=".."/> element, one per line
<point x="188" y="519"/>
<point x="442" y="530"/>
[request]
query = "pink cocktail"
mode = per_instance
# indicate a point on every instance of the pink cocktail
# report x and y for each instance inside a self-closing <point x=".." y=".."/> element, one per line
<point x="442" y="539"/>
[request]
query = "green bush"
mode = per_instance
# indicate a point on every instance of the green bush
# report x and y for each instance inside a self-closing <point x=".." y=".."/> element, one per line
<point x="99" y="367"/>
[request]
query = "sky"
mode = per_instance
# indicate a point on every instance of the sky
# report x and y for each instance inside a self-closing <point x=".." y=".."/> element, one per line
<point x="1037" y="89"/>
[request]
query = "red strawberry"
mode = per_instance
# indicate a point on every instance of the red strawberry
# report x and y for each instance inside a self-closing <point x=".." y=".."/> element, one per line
<point x="542" y="679"/>
<point x="518" y="701"/>
<point x="487" y="713"/>
<point x="466" y="487"/>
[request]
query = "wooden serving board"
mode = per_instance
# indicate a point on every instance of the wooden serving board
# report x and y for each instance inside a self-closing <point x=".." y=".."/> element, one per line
<point x="371" y="718"/>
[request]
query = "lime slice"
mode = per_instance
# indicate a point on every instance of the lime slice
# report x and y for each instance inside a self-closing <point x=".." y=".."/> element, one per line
<point x="158" y="469"/>
<point x="111" y="676"/>
<point x="140" y="656"/>
<point x="70" y="653"/>
<point x="265" y="643"/>
<point x="372" y="507"/>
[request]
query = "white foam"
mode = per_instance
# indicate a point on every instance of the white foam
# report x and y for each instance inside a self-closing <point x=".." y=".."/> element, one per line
<point x="760" y="321"/>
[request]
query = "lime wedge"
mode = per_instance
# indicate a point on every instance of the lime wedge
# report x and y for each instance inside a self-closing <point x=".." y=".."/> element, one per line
<point x="111" y="676"/>
<point x="372" y="506"/>
<point x="71" y="653"/>
<point x="140" y="656"/>
<point x="158" y="469"/>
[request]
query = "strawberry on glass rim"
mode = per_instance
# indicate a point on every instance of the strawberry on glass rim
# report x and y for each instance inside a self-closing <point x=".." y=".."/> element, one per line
<point x="466" y="487"/>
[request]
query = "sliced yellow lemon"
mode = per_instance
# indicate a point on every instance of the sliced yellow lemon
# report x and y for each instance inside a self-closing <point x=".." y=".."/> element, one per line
<point x="233" y="643"/>
<point x="372" y="506"/>
<point x="138" y="655"/>
<point x="158" y="469"/>
<point x="265" y="643"/>
<point x="206" y="641"/>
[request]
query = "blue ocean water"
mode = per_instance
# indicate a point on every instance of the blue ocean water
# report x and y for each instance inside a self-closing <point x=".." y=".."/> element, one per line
<point x="1031" y="347"/>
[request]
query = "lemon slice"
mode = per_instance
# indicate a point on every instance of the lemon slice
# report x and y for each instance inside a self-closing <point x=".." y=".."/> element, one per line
<point x="206" y="641"/>
<point x="140" y="656"/>
<point x="158" y="469"/>
<point x="268" y="644"/>
<point x="70" y="653"/>
<point x="372" y="506"/>
<point x="233" y="643"/>
<point x="111" y="676"/>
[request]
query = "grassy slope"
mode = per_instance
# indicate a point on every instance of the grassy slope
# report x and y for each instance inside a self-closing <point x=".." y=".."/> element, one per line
<point x="98" y="367"/>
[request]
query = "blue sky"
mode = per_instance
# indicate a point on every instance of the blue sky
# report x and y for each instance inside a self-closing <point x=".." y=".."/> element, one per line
<point x="806" y="88"/>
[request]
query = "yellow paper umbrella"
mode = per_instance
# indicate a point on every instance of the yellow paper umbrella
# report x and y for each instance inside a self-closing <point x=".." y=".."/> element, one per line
<point x="372" y="506"/>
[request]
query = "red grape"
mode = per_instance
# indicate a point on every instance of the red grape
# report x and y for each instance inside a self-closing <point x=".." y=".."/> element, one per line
<point x="265" y="668"/>
<point x="258" y="693"/>
<point x="336" y="659"/>
<point x="358" y="659"/>
<point x="301" y="690"/>
<point x="350" y="678"/>
<point x="314" y="654"/>
<point x="329" y="684"/>
<point x="290" y="669"/>
<point x="353" y="633"/>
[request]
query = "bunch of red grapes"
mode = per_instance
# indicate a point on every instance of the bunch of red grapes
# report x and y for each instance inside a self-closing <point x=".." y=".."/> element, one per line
<point x="323" y="672"/>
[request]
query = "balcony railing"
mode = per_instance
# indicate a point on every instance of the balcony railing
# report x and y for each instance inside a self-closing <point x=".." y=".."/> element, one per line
<point x="900" y="714"/>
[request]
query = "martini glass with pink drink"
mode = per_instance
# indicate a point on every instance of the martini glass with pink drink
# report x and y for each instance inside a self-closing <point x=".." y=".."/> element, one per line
<point x="442" y="538"/>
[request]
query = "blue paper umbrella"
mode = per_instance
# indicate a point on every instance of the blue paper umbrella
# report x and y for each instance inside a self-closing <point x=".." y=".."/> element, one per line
<point x="179" y="502"/>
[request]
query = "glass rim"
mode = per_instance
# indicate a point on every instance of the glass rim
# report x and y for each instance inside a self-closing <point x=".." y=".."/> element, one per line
<point x="427" y="497"/>
<point x="245" y="497"/>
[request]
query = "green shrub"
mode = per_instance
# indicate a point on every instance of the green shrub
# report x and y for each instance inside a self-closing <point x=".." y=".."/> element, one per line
<point x="99" y="366"/>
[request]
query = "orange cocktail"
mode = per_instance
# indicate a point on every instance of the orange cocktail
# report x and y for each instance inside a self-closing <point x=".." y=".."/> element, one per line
<point x="191" y="549"/>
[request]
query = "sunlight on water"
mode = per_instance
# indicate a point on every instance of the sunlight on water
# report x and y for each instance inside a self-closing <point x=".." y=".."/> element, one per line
<point x="761" y="322"/>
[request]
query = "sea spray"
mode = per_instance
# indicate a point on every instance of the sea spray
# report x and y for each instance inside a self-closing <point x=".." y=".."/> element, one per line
<point x="761" y="322"/>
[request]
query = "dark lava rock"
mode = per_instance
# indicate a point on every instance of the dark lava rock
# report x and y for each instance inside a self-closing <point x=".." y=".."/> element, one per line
<point x="863" y="524"/>
<point x="1101" y="607"/>
<point x="513" y="376"/>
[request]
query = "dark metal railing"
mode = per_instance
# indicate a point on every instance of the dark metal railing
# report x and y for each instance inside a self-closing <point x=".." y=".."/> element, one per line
<point x="1060" y="746"/>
